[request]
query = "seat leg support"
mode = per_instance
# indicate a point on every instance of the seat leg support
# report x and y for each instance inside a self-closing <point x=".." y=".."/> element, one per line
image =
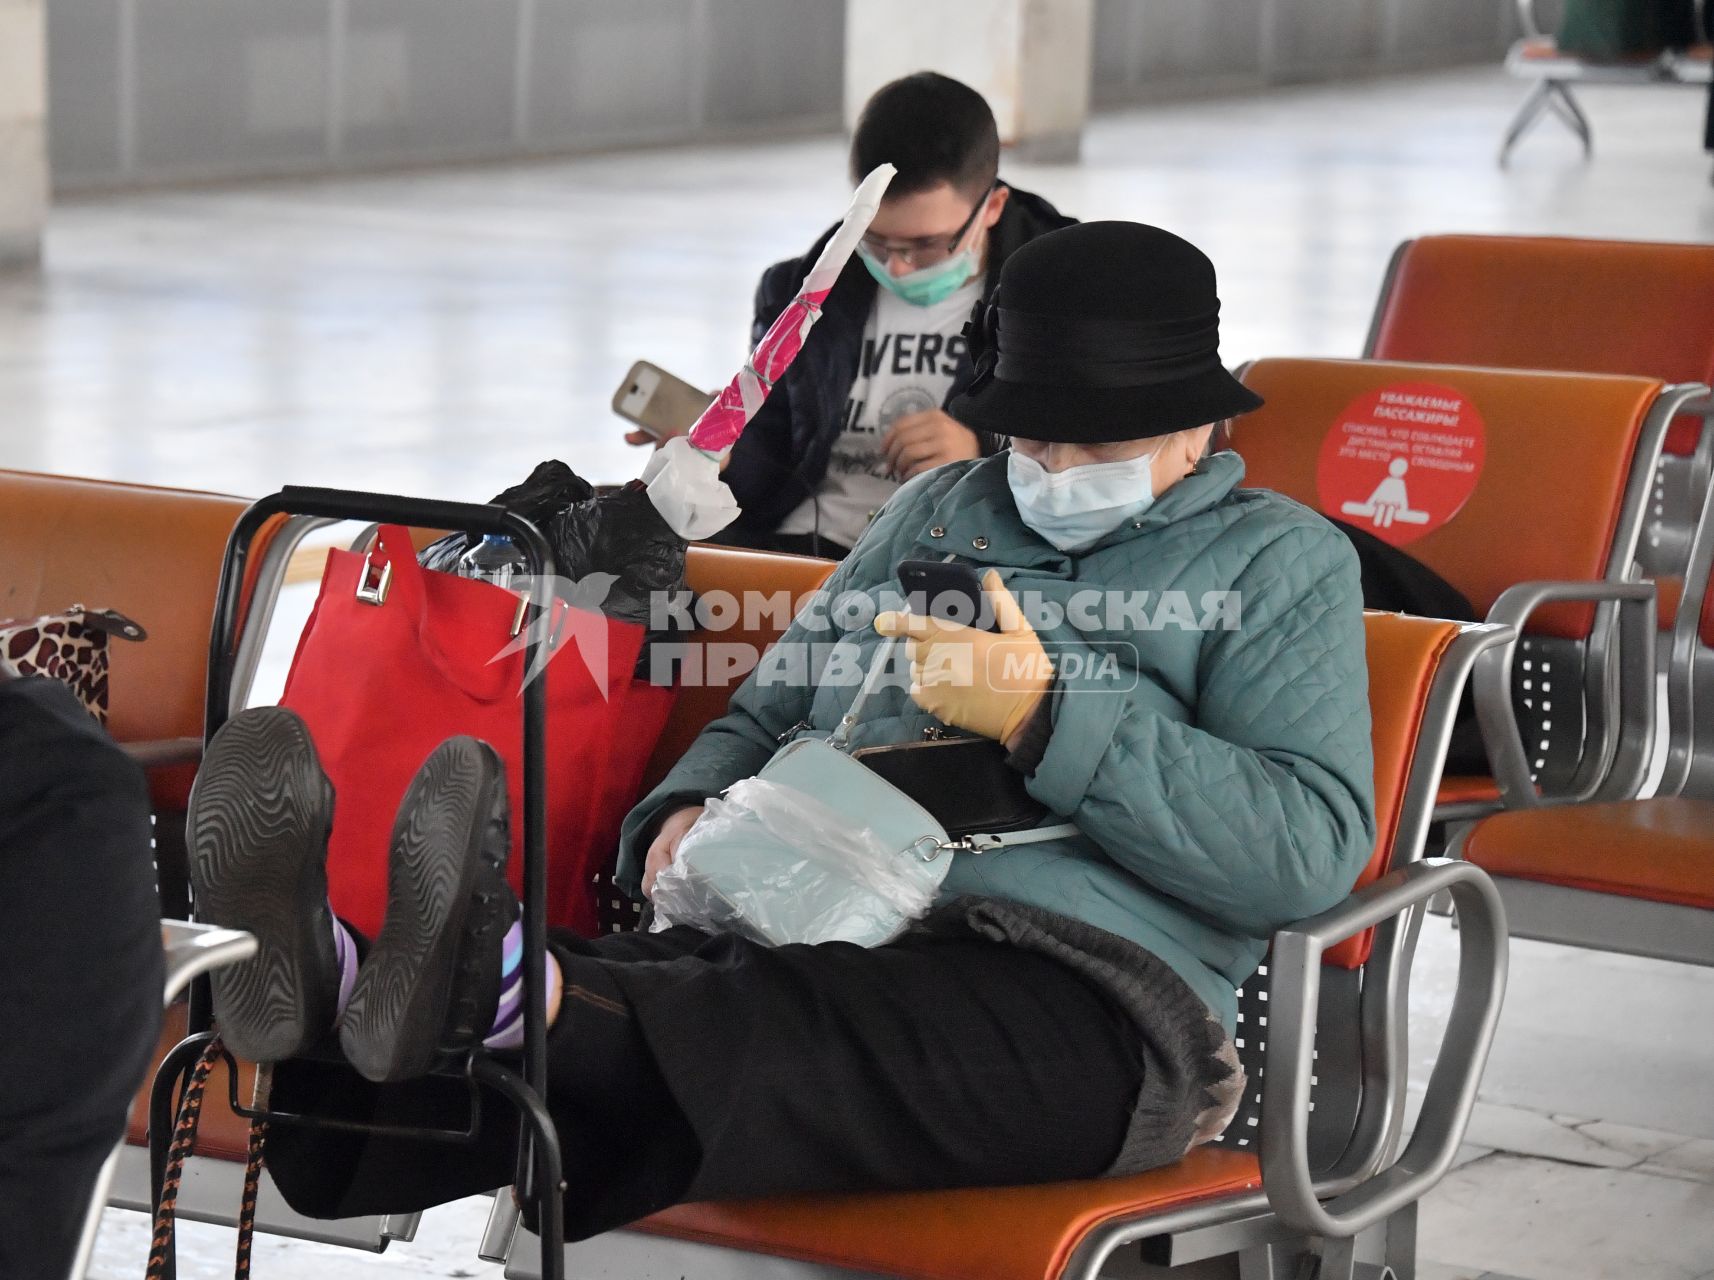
<point x="541" y="1178"/>
<point x="1528" y="114"/>
<point x="1567" y="108"/>
<point x="169" y="1081"/>
<point x="1549" y="97"/>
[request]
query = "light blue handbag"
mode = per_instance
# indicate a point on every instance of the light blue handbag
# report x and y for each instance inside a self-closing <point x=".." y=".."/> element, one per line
<point x="817" y="847"/>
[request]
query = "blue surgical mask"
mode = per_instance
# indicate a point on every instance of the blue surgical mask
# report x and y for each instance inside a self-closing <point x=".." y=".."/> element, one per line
<point x="1073" y="509"/>
<point x="926" y="285"/>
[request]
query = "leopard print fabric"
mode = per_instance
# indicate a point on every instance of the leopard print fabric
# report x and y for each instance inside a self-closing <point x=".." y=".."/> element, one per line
<point x="63" y="647"/>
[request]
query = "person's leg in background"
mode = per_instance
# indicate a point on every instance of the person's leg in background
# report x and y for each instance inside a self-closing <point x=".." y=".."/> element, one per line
<point x="80" y="955"/>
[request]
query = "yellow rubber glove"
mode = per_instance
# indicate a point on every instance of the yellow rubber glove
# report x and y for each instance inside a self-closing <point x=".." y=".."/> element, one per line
<point x="989" y="682"/>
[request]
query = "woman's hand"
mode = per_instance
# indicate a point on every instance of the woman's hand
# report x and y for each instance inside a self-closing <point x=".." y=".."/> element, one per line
<point x="986" y="681"/>
<point x="664" y="848"/>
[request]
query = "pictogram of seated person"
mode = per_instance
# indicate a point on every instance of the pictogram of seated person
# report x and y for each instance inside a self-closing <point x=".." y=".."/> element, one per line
<point x="1064" y="1010"/>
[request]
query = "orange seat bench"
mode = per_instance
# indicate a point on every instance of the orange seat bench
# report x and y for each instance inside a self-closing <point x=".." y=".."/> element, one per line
<point x="1418" y="668"/>
<point x="1259" y="1175"/>
<point x="1576" y="306"/>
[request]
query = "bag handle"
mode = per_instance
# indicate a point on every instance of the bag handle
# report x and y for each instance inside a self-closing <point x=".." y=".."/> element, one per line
<point x="982" y="842"/>
<point x="841" y="735"/>
<point x="840" y="738"/>
<point x="392" y="577"/>
<point x="184" y="1142"/>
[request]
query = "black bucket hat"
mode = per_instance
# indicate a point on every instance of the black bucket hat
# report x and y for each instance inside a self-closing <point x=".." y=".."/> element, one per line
<point x="1098" y="332"/>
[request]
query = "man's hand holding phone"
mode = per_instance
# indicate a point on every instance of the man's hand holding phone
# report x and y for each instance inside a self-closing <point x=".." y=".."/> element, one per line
<point x="919" y="442"/>
<point x="661" y="405"/>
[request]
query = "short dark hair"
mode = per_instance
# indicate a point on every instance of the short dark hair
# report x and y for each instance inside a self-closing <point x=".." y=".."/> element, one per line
<point x="934" y="129"/>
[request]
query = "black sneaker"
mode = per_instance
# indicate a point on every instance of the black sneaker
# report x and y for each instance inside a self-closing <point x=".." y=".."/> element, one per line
<point x="260" y="812"/>
<point x="428" y="988"/>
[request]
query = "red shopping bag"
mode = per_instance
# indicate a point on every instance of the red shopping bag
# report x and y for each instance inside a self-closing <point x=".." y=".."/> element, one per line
<point x="381" y="682"/>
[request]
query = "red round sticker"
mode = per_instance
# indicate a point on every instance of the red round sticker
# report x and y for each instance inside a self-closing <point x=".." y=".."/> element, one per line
<point x="1400" y="462"/>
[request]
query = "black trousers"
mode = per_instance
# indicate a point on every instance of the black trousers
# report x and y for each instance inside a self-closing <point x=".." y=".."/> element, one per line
<point x="80" y="951"/>
<point x="689" y="1067"/>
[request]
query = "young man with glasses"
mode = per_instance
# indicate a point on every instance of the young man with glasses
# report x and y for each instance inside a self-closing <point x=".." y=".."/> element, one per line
<point x="862" y="409"/>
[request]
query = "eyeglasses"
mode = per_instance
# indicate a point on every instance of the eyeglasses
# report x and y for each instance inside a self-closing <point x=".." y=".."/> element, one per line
<point x="925" y="251"/>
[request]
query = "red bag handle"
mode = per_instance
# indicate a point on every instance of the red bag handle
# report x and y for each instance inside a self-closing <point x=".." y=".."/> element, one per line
<point x="391" y="577"/>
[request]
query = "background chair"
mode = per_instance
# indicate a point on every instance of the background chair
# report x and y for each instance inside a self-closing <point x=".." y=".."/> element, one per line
<point x="1632" y="876"/>
<point x="1537" y="57"/>
<point x="1577" y="306"/>
<point x="1560" y="494"/>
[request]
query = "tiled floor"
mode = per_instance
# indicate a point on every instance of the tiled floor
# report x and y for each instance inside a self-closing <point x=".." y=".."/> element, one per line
<point x="440" y="332"/>
<point x="1589" y="1154"/>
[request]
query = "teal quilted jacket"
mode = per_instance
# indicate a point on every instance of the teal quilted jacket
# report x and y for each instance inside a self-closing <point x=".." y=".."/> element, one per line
<point x="1210" y="721"/>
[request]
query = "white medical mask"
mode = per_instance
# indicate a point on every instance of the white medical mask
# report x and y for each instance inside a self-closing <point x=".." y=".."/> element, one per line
<point x="1074" y="508"/>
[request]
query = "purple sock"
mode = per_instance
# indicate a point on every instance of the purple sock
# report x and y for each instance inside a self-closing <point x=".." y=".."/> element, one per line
<point x="345" y="947"/>
<point x="508" y="1029"/>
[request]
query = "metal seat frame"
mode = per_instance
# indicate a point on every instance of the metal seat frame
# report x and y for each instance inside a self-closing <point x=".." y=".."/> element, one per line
<point x="1607" y="921"/>
<point x="232" y="663"/>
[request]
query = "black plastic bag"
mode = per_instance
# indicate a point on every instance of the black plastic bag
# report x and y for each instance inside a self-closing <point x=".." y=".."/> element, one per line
<point x="551" y="488"/>
<point x="615" y="551"/>
<point x="621" y="533"/>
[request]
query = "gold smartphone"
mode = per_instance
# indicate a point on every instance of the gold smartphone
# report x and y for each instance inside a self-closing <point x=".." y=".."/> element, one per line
<point x="659" y="403"/>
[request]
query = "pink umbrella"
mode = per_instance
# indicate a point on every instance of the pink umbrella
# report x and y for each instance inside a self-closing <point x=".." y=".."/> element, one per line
<point x="683" y="477"/>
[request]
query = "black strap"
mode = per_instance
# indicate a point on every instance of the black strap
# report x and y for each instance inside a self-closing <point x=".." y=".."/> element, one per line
<point x="1087" y="351"/>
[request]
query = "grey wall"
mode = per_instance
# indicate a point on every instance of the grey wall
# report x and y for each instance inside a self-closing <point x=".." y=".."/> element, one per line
<point x="171" y="90"/>
<point x="151" y="91"/>
<point x="1154" y="48"/>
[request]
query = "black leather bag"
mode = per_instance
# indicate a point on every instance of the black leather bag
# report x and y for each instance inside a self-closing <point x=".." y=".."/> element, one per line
<point x="964" y="783"/>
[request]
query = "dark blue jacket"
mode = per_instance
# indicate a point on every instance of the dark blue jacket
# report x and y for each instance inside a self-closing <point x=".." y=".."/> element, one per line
<point x="782" y="456"/>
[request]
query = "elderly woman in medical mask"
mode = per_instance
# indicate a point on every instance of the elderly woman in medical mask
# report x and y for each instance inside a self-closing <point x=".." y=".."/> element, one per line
<point x="1178" y="669"/>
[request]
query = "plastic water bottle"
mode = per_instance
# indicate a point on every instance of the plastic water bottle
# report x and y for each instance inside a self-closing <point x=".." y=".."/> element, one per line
<point x="495" y="559"/>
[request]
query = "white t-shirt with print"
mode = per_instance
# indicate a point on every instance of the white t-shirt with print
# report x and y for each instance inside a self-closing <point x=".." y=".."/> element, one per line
<point x="909" y="357"/>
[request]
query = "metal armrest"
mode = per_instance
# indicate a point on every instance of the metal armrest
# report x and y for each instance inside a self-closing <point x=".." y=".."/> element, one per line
<point x="270" y="579"/>
<point x="195" y="949"/>
<point x="164" y="751"/>
<point x="1527" y="20"/>
<point x="1624" y="757"/>
<point x="1295" y="971"/>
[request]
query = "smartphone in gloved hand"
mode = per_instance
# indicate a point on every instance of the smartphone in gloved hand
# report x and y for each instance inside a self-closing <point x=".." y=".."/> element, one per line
<point x="947" y="590"/>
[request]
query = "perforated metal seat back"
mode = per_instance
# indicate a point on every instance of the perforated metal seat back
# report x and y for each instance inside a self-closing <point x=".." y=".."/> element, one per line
<point x="1549" y="697"/>
<point x="1336" y="1076"/>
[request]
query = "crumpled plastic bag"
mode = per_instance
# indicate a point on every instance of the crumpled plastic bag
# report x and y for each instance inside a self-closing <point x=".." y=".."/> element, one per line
<point x="774" y="864"/>
<point x="615" y="544"/>
<point x="550" y="489"/>
<point x="620" y="533"/>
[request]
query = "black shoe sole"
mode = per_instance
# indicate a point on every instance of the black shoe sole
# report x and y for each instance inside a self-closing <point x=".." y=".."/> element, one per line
<point x="429" y="986"/>
<point x="259" y="816"/>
